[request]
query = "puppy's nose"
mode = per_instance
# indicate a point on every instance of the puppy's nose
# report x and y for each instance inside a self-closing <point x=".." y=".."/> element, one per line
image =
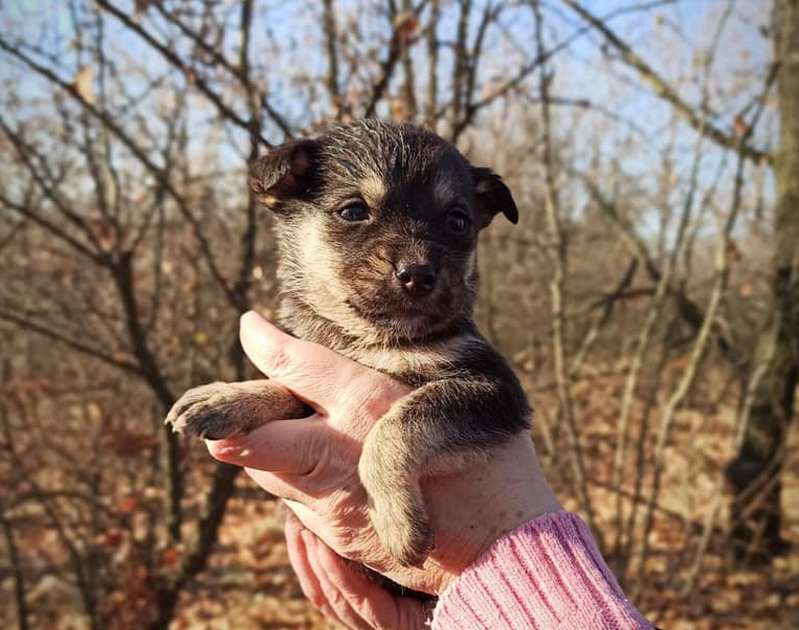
<point x="415" y="278"/>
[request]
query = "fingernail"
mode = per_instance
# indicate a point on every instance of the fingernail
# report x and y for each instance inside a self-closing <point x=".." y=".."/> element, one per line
<point x="234" y="447"/>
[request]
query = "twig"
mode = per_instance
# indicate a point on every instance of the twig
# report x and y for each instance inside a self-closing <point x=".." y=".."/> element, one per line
<point x="173" y="59"/>
<point x="331" y="42"/>
<point x="557" y="288"/>
<point x="698" y="352"/>
<point x="666" y="92"/>
<point x="16" y="567"/>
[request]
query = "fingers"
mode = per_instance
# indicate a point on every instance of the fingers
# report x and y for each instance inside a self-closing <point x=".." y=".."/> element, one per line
<point x="336" y="599"/>
<point x="352" y="590"/>
<point x="298" y="556"/>
<point x="317" y="375"/>
<point x="276" y="486"/>
<point x="342" y="592"/>
<point x="284" y="446"/>
<point x="301" y="546"/>
<point x="373" y="603"/>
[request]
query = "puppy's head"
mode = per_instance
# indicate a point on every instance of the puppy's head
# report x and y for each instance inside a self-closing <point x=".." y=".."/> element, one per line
<point x="378" y="226"/>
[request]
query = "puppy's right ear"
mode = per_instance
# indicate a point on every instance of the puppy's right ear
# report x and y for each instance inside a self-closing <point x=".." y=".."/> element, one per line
<point x="288" y="171"/>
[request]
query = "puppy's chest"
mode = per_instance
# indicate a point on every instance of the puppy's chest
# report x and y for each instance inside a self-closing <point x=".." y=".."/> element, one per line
<point x="412" y="365"/>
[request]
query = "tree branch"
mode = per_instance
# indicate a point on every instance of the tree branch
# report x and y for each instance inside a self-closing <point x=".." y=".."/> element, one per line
<point x="26" y="323"/>
<point x="667" y="93"/>
<point x="178" y="63"/>
<point x="161" y="177"/>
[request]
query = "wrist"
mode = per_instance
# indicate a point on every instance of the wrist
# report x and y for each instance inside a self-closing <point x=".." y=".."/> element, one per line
<point x="474" y="510"/>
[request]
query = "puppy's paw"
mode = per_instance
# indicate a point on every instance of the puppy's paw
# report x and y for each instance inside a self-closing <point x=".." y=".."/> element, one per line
<point x="403" y="527"/>
<point x="221" y="410"/>
<point x="210" y="411"/>
<point x="396" y="509"/>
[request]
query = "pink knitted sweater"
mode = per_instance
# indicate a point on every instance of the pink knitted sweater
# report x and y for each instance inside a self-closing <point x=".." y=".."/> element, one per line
<point x="546" y="574"/>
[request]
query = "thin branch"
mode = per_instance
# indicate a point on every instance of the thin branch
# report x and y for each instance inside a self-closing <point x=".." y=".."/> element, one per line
<point x="691" y="313"/>
<point x="331" y="42"/>
<point x="83" y="570"/>
<point x="557" y="287"/>
<point x="607" y="302"/>
<point x="240" y="73"/>
<point x="510" y="84"/>
<point x="387" y="66"/>
<point x="663" y="90"/>
<point x="698" y="352"/>
<point x="642" y="350"/>
<point x="52" y="228"/>
<point x="173" y="59"/>
<point x="161" y="176"/>
<point x="27" y="153"/>
<point x="432" y="64"/>
<point x="28" y="324"/>
<point x="16" y="570"/>
<point x="469" y="69"/>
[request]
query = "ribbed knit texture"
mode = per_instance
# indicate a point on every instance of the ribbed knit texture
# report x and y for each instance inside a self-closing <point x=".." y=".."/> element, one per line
<point x="546" y="574"/>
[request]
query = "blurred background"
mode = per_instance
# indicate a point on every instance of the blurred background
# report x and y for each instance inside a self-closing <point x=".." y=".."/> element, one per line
<point x="649" y="297"/>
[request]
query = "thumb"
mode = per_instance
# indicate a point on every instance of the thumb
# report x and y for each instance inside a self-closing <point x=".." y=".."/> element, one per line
<point x="282" y="446"/>
<point x="317" y="375"/>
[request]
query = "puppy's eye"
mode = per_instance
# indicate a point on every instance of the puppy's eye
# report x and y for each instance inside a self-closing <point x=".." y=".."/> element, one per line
<point x="458" y="221"/>
<point x="354" y="212"/>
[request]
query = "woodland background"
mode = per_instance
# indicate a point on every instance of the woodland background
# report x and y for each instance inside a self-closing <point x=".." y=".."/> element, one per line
<point x="649" y="297"/>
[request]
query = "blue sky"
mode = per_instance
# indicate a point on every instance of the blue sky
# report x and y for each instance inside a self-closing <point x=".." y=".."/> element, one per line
<point x="671" y="37"/>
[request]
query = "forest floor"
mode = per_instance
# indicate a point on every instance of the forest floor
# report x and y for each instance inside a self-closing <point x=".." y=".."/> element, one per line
<point x="250" y="585"/>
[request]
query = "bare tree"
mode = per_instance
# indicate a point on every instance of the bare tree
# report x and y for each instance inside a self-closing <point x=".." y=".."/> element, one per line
<point x="768" y="403"/>
<point x="626" y="297"/>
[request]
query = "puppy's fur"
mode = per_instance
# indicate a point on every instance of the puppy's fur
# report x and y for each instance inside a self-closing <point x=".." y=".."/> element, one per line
<point x="343" y="287"/>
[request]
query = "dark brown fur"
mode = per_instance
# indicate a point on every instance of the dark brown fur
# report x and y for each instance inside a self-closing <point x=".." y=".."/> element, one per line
<point x="341" y="289"/>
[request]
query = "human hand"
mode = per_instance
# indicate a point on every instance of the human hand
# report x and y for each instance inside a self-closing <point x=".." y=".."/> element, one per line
<point x="312" y="464"/>
<point x="343" y="593"/>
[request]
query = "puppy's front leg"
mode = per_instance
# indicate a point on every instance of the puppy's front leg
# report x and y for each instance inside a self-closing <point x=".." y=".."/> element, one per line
<point x="219" y="410"/>
<point x="437" y="429"/>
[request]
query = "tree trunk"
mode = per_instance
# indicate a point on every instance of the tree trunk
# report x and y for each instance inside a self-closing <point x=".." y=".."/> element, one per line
<point x="755" y="472"/>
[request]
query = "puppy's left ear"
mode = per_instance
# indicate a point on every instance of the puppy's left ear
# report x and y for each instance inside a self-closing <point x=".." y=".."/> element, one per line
<point x="491" y="196"/>
<point x="288" y="171"/>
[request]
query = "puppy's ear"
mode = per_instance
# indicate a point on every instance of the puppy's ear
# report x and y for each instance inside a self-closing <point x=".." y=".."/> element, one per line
<point x="287" y="172"/>
<point x="491" y="196"/>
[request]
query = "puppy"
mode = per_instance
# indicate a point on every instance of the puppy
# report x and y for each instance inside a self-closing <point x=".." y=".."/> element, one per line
<point x="377" y="227"/>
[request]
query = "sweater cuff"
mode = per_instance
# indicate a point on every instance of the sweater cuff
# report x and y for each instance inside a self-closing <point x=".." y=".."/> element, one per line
<point x="546" y="574"/>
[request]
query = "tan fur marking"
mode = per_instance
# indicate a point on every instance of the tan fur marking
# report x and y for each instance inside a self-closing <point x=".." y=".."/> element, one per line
<point x="270" y="201"/>
<point x="373" y="189"/>
<point x="471" y="262"/>
<point x="321" y="285"/>
<point x="380" y="263"/>
<point x="420" y="359"/>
